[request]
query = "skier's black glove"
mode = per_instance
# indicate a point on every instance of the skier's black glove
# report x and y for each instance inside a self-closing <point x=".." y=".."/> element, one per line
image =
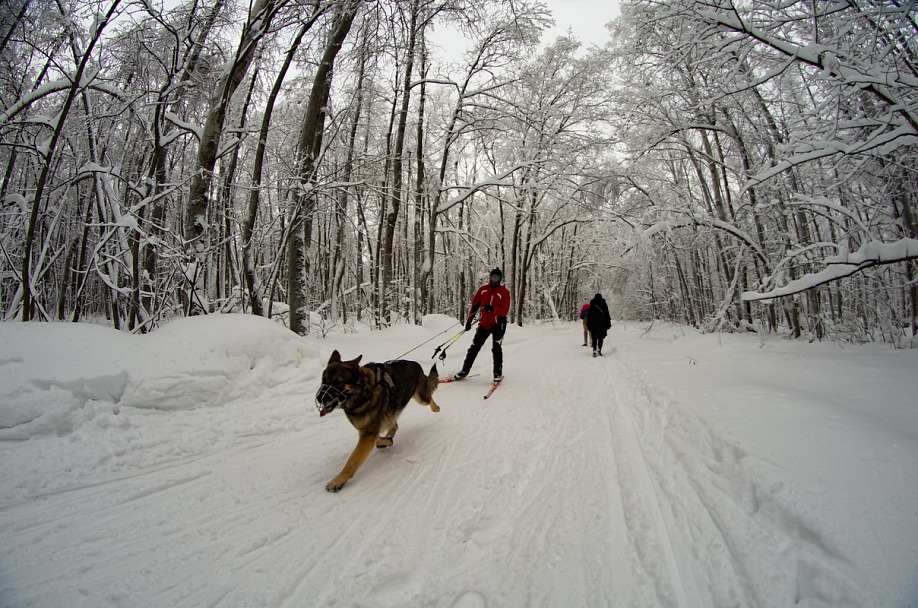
<point x="488" y="308"/>
<point x="468" y="324"/>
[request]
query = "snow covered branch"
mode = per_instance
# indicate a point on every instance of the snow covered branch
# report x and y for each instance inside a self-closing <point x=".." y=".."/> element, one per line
<point x="467" y="191"/>
<point x="882" y="143"/>
<point x="57" y="86"/>
<point x="844" y="265"/>
<point x="875" y="78"/>
<point x="669" y="225"/>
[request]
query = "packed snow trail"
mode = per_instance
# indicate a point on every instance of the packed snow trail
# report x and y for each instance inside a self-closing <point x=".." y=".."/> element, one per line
<point x="483" y="487"/>
<point x="577" y="484"/>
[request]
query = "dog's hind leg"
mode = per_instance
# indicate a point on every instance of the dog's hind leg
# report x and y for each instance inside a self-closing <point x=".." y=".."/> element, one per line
<point x="387" y="440"/>
<point x="360" y="454"/>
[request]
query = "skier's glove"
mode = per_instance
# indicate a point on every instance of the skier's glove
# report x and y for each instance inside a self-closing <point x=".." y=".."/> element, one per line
<point x="488" y="308"/>
<point x="468" y="324"/>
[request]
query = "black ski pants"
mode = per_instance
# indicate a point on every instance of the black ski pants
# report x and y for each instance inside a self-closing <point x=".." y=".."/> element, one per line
<point x="597" y="342"/>
<point x="481" y="336"/>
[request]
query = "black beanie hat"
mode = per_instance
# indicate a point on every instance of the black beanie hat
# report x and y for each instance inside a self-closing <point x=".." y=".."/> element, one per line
<point x="497" y="272"/>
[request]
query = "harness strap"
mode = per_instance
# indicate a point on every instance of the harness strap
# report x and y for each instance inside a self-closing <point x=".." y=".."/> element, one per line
<point x="383" y="375"/>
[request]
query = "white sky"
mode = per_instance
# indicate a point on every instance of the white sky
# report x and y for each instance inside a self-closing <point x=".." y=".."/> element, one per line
<point x="586" y="18"/>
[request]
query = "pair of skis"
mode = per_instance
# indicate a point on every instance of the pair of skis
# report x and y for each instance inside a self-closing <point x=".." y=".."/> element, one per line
<point x="490" y="390"/>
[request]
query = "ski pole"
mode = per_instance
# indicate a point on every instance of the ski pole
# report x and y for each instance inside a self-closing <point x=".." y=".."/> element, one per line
<point x="442" y="348"/>
<point x="427" y="340"/>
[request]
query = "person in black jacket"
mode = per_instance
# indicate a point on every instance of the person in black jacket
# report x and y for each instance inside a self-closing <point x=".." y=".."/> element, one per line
<point x="598" y="322"/>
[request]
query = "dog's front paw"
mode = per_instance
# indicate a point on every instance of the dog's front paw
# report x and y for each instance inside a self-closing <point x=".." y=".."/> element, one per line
<point x="334" y="485"/>
<point x="385" y="442"/>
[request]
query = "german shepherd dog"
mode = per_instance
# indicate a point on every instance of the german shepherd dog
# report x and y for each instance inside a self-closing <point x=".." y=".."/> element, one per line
<point x="372" y="396"/>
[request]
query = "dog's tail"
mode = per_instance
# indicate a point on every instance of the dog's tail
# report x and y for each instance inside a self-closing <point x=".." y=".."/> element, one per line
<point x="428" y="388"/>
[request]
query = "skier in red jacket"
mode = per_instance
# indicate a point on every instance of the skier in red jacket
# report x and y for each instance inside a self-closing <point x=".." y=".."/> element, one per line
<point x="494" y="301"/>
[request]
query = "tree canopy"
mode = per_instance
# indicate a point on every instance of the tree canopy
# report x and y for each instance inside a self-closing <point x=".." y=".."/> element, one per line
<point x="729" y="165"/>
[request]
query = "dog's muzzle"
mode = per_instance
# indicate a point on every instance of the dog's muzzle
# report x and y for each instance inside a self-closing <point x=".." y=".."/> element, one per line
<point x="328" y="398"/>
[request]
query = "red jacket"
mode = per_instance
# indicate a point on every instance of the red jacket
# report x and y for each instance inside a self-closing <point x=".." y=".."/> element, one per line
<point x="498" y="297"/>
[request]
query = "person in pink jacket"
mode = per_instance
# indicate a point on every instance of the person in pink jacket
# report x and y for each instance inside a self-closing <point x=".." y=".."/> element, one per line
<point x="493" y="300"/>
<point x="584" y="312"/>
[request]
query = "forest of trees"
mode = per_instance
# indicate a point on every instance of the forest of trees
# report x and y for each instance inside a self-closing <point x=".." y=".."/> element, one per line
<point x="729" y="165"/>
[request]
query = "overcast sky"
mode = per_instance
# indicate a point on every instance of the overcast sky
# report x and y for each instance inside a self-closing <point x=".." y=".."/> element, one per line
<point x="587" y="19"/>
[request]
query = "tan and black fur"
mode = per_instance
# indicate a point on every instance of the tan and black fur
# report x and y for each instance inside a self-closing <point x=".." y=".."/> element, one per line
<point x="372" y="396"/>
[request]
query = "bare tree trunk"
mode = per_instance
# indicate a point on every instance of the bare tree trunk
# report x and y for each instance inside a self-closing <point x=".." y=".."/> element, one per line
<point x="158" y="159"/>
<point x="378" y="297"/>
<point x="79" y="270"/>
<point x="308" y="148"/>
<point x="363" y="232"/>
<point x="342" y="202"/>
<point x="527" y="252"/>
<point x="249" y="271"/>
<point x="258" y="24"/>
<point x="51" y="149"/>
<point x="515" y="270"/>
<point x="123" y="249"/>
<point x="902" y="210"/>
<point x="418" y="291"/>
<point x="13" y="24"/>
<point x="225" y="271"/>
<point x="396" y="199"/>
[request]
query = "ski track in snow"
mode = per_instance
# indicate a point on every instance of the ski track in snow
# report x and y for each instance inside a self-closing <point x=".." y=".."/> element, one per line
<point x="579" y="480"/>
<point x="710" y="523"/>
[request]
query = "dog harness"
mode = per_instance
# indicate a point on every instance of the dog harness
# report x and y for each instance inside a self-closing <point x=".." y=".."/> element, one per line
<point x="383" y="375"/>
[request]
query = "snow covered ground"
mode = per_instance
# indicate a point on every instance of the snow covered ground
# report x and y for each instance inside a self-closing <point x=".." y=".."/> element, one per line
<point x="187" y="468"/>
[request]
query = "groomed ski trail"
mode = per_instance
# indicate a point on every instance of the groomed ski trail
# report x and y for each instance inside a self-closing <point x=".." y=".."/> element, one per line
<point x="578" y="482"/>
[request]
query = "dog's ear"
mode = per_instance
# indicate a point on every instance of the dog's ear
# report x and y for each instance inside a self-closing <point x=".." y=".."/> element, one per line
<point x="335" y="358"/>
<point x="357" y="360"/>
